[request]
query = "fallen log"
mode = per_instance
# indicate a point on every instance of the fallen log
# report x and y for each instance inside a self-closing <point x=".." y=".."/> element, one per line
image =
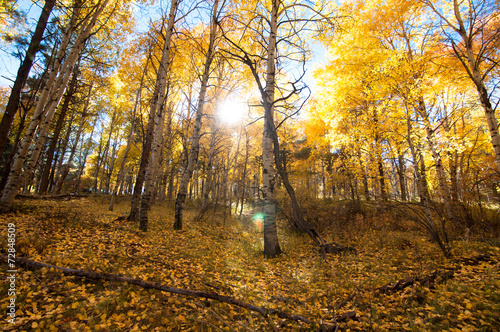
<point x="60" y="196"/>
<point x="335" y="248"/>
<point x="344" y="302"/>
<point x="265" y="312"/>
<point x="428" y="281"/>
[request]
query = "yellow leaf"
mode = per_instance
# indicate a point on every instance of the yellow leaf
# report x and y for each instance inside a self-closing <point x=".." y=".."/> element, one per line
<point x="34" y="325"/>
<point x="74" y="305"/>
<point x="468" y="306"/>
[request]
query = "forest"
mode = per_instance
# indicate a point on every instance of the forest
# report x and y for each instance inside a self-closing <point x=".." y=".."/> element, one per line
<point x="230" y="165"/>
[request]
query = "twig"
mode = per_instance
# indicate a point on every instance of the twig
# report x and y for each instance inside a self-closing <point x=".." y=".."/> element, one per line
<point x="265" y="312"/>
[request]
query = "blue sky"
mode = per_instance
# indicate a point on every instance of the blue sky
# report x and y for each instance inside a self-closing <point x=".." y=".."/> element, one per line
<point x="9" y="64"/>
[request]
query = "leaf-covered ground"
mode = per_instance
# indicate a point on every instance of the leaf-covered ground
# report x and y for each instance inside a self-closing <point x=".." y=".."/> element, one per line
<point x="225" y="256"/>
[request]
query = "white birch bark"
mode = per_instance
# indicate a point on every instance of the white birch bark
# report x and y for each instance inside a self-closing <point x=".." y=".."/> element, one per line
<point x="121" y="172"/>
<point x="271" y="243"/>
<point x="444" y="190"/>
<point x="158" y="107"/>
<point x="195" y="138"/>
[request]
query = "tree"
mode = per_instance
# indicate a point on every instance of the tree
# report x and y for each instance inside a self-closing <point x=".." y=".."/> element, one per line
<point x="284" y="24"/>
<point x="195" y="138"/>
<point x="472" y="30"/>
<point x="158" y="110"/>
<point x="23" y="72"/>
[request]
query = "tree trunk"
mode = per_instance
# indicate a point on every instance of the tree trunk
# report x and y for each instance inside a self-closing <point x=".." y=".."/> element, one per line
<point x="271" y="243"/>
<point x="244" y="175"/>
<point x="474" y="71"/>
<point x="207" y="187"/>
<point x="10" y="159"/>
<point x="401" y="175"/>
<point x="44" y="183"/>
<point x="152" y="167"/>
<point x="195" y="138"/>
<point x="121" y="172"/>
<point x="157" y="101"/>
<point x="65" y="170"/>
<point x="158" y="111"/>
<point x="63" y="147"/>
<point x="442" y="184"/>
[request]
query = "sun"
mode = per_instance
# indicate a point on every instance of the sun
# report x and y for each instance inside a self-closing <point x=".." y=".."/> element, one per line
<point x="231" y="111"/>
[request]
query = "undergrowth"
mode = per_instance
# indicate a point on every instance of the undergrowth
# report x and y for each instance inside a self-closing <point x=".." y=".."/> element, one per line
<point x="225" y="256"/>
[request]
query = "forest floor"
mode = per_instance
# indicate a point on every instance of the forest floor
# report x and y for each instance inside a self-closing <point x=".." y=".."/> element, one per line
<point x="434" y="293"/>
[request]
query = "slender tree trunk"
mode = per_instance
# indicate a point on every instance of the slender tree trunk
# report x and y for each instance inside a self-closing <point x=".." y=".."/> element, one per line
<point x="442" y="184"/>
<point x="473" y="69"/>
<point x="83" y="160"/>
<point x="271" y="243"/>
<point x="243" y="180"/>
<point x="66" y="168"/>
<point x="44" y="183"/>
<point x="10" y="159"/>
<point x="63" y="148"/>
<point x="152" y="168"/>
<point x="121" y="172"/>
<point x="158" y="111"/>
<point x="195" y="138"/>
<point x="207" y="187"/>
<point x="22" y="74"/>
<point x="157" y="102"/>
<point x="366" y="189"/>
<point x="401" y="175"/>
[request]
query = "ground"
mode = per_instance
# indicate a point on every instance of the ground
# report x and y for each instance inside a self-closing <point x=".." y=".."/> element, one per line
<point x="224" y="256"/>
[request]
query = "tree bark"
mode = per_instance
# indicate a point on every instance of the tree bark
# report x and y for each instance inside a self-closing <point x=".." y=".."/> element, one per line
<point x="66" y="168"/>
<point x="195" y="138"/>
<point x="158" y="108"/>
<point x="157" y="102"/>
<point x="44" y="183"/>
<point x="207" y="187"/>
<point x="153" y="166"/>
<point x="401" y="174"/>
<point x="121" y="172"/>
<point x="444" y="190"/>
<point x="271" y="242"/>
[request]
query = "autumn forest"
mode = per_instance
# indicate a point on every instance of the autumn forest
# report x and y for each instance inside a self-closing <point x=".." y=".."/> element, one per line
<point x="230" y="165"/>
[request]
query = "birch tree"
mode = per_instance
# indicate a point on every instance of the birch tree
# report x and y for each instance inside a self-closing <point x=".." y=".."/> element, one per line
<point x="158" y="108"/>
<point x="195" y="138"/>
<point x="285" y="22"/>
<point x="157" y="103"/>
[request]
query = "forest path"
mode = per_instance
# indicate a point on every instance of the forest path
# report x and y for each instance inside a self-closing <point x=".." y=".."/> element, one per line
<point x="226" y="257"/>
